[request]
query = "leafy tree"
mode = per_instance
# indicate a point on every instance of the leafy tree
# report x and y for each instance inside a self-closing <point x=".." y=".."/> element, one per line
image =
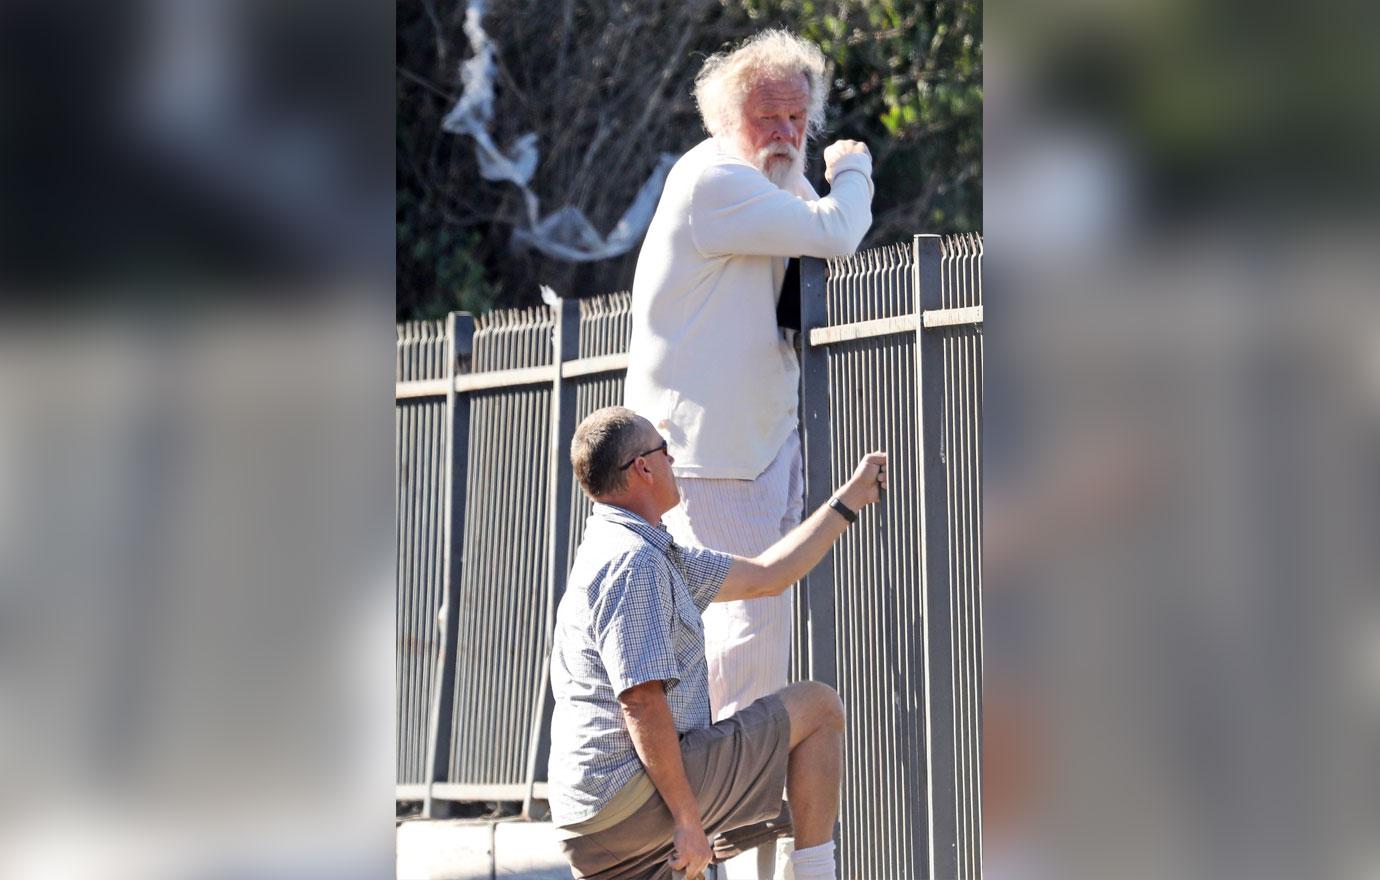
<point x="908" y="82"/>
<point x="607" y="89"/>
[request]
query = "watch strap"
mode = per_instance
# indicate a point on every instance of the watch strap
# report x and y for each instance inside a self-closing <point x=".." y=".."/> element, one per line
<point x="843" y="509"/>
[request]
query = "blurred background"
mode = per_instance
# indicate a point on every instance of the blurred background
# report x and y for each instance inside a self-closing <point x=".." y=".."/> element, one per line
<point x="1182" y="620"/>
<point x="196" y="460"/>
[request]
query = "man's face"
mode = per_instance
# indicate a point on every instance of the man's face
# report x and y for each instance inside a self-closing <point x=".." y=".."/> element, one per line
<point x="772" y="132"/>
<point x="664" y="488"/>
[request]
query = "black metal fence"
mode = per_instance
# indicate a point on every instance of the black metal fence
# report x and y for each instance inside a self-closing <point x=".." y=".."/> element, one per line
<point x="489" y="515"/>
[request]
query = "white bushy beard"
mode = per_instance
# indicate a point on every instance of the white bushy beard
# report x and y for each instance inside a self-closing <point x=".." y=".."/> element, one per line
<point x="780" y="173"/>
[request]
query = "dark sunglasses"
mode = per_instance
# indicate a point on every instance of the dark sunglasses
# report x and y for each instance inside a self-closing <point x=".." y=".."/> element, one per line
<point x="661" y="448"/>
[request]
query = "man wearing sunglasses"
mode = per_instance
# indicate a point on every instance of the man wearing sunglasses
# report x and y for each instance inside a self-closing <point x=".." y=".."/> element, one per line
<point x="639" y="773"/>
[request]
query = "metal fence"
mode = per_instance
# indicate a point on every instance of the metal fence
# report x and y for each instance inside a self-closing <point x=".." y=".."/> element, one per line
<point x="893" y="360"/>
<point x="489" y="515"/>
<point x="420" y="430"/>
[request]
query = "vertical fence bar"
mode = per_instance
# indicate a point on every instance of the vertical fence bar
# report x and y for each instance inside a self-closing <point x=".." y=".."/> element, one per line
<point x="814" y="383"/>
<point x="934" y="556"/>
<point x="459" y="345"/>
<point x="561" y="476"/>
<point x="799" y="669"/>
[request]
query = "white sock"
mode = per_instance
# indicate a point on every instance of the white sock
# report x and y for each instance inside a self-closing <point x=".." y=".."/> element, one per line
<point x="814" y="862"/>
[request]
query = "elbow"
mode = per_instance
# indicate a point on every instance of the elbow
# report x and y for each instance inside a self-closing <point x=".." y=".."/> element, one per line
<point x="838" y="247"/>
<point x="857" y="231"/>
<point x="841" y="238"/>
<point x="854" y="238"/>
<point x="763" y="581"/>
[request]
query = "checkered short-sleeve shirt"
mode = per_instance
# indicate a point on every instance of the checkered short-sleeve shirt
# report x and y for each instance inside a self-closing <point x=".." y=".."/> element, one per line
<point x="630" y="614"/>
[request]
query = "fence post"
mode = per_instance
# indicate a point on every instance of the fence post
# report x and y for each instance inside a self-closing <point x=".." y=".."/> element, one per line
<point x="934" y="566"/>
<point x="567" y="348"/>
<point x="815" y="438"/>
<point x="459" y="346"/>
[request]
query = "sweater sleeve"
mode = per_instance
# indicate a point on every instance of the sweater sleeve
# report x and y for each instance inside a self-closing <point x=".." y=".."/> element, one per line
<point x="804" y="190"/>
<point x="735" y="210"/>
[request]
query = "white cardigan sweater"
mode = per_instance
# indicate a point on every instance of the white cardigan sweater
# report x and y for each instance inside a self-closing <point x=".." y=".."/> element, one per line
<point x="707" y="363"/>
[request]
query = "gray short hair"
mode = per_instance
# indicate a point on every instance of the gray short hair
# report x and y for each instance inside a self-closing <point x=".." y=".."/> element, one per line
<point x="603" y="441"/>
<point x="722" y="84"/>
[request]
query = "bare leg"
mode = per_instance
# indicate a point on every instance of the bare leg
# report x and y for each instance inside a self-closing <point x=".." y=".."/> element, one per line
<point x="812" y="770"/>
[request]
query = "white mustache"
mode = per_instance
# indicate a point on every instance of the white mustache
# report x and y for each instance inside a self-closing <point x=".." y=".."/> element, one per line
<point x="786" y="150"/>
<point x="780" y="175"/>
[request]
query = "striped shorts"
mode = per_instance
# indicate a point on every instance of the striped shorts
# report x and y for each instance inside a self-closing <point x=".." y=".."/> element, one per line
<point x="747" y="644"/>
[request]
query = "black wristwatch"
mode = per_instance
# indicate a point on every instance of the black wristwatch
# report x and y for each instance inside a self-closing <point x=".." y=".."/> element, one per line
<point x="843" y="509"/>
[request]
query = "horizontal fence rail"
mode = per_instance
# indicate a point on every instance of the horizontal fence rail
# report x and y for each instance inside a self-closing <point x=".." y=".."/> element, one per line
<point x="891" y="358"/>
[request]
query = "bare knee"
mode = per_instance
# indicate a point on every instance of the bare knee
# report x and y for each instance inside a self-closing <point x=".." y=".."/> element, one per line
<point x="830" y="709"/>
<point x="812" y="706"/>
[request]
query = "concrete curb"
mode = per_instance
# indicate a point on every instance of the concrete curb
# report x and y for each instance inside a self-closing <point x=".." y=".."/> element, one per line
<point x="479" y="849"/>
<point x="500" y="849"/>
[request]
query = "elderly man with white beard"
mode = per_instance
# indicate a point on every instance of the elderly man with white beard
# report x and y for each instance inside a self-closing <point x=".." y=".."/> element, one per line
<point x="708" y="364"/>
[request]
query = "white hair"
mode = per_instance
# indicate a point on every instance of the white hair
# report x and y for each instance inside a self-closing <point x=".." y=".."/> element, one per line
<point x="723" y="83"/>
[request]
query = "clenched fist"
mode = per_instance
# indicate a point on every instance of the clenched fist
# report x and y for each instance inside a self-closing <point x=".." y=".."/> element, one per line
<point x="867" y="483"/>
<point x="837" y="150"/>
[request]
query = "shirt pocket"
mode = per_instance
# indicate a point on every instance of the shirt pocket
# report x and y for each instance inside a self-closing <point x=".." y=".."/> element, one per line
<point x="688" y="627"/>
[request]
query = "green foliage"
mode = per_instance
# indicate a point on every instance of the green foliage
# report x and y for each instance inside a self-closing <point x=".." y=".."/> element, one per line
<point x="908" y="83"/>
<point x="438" y="270"/>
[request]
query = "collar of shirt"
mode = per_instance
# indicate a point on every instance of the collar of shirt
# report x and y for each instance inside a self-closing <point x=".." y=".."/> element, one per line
<point x="656" y="535"/>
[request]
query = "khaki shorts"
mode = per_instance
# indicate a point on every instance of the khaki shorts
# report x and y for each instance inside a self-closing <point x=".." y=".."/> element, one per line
<point x="737" y="769"/>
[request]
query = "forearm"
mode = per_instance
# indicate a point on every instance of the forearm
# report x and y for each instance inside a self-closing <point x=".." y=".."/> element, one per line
<point x="788" y="560"/>
<point x="740" y="213"/>
<point x="654" y="737"/>
<point x="791" y="558"/>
